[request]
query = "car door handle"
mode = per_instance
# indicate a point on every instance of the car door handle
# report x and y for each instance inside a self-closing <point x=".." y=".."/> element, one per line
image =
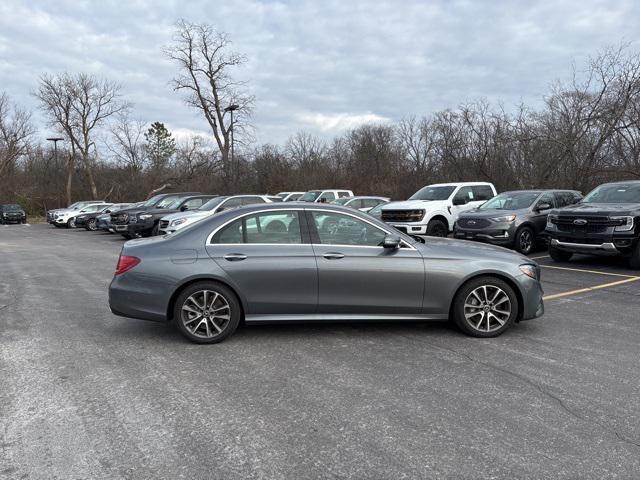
<point x="333" y="256"/>
<point x="235" y="257"/>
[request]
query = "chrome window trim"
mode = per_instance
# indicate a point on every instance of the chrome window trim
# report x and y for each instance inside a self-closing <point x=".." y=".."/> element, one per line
<point x="302" y="209"/>
<point x="252" y="213"/>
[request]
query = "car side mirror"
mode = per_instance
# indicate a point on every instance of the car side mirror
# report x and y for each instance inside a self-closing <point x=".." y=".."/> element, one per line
<point x="391" y="242"/>
<point x="459" y="201"/>
<point x="543" y="206"/>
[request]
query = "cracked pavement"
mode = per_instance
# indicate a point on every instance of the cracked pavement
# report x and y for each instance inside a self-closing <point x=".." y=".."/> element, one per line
<point x="86" y="394"/>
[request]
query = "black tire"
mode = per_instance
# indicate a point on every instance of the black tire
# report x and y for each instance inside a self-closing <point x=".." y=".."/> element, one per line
<point x="91" y="225"/>
<point x="634" y="260"/>
<point x="488" y="327"/>
<point x="524" y="240"/>
<point x="437" y="228"/>
<point x="71" y="223"/>
<point x="156" y="230"/>
<point x="559" y="255"/>
<point x="199" y="332"/>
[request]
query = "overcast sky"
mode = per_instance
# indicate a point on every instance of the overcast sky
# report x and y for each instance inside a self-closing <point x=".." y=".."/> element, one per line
<point x="320" y="66"/>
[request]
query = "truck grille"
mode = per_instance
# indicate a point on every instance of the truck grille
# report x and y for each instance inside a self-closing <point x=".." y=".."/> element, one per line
<point x="565" y="223"/>
<point x="402" y="215"/>
<point x="119" y="218"/>
<point x="473" y="222"/>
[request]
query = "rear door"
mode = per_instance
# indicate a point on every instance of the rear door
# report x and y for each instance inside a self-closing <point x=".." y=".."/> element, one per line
<point x="268" y="257"/>
<point x="356" y="275"/>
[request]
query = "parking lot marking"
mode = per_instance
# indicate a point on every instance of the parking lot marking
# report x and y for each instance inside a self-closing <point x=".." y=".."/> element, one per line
<point x="598" y="272"/>
<point x="589" y="289"/>
<point x="538" y="258"/>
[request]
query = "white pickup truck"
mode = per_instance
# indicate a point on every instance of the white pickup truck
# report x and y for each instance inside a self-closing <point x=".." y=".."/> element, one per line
<point x="433" y="210"/>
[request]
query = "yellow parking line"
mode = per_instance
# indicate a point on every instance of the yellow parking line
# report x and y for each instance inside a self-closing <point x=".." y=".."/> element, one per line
<point x="589" y="289"/>
<point x="599" y="272"/>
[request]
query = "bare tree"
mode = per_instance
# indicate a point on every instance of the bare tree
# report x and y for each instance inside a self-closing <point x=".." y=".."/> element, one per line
<point x="205" y="65"/>
<point x="78" y="106"/>
<point x="15" y="133"/>
<point x="126" y="143"/>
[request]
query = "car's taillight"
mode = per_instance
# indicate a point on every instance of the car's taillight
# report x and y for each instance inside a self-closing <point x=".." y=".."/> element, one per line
<point x="126" y="263"/>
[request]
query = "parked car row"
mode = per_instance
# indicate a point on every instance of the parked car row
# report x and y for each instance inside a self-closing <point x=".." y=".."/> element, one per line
<point x="605" y="222"/>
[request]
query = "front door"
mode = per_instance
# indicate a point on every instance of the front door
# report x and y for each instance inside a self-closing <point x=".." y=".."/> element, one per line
<point x="356" y="274"/>
<point x="268" y="257"/>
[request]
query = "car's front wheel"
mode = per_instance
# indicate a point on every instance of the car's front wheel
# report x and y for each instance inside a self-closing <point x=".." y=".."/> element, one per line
<point x="559" y="255"/>
<point x="525" y="240"/>
<point x="207" y="312"/>
<point x="71" y="223"/>
<point x="437" y="228"/>
<point x="485" y="307"/>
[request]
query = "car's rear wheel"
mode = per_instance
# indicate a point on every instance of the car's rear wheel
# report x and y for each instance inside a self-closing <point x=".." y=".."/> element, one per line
<point x="559" y="255"/>
<point x="485" y="307"/>
<point x="525" y="240"/>
<point x="437" y="228"/>
<point x="207" y="312"/>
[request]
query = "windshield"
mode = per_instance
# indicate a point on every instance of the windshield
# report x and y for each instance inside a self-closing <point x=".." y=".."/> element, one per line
<point x="211" y="204"/>
<point x="169" y="202"/>
<point x="617" y="193"/>
<point x="341" y="201"/>
<point x="93" y="208"/>
<point x="11" y="208"/>
<point x="310" y="196"/>
<point x="433" y="193"/>
<point x="293" y="197"/>
<point x="511" y="201"/>
<point x="152" y="201"/>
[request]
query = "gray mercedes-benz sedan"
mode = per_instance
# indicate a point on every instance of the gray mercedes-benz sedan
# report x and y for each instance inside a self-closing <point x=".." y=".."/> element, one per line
<point x="312" y="262"/>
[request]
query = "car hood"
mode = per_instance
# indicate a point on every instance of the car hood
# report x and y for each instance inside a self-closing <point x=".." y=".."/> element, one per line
<point x="193" y="214"/>
<point x="64" y="211"/>
<point x="466" y="249"/>
<point x="415" y="204"/>
<point x="599" y="209"/>
<point x="492" y="213"/>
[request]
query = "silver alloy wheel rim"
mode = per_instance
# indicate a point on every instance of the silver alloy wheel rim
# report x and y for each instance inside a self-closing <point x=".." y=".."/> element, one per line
<point x="206" y="313"/>
<point x="72" y="223"/>
<point x="487" y="308"/>
<point x="525" y="240"/>
<point x="92" y="225"/>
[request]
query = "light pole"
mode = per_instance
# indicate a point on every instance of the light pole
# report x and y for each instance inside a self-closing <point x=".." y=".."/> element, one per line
<point x="231" y="109"/>
<point x="55" y="141"/>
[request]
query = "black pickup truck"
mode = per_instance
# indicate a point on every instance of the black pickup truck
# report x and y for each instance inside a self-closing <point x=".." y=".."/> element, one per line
<point x="605" y="222"/>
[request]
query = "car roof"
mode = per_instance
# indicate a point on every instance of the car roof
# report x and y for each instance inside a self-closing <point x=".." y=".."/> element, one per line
<point x="458" y="184"/>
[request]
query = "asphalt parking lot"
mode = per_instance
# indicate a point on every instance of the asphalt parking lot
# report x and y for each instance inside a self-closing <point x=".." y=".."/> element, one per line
<point x="85" y="394"/>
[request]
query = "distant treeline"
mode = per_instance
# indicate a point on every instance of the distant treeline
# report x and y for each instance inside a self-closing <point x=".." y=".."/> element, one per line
<point x="586" y="132"/>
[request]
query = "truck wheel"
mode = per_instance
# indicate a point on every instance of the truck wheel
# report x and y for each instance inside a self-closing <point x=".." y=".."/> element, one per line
<point x="634" y="261"/>
<point x="156" y="230"/>
<point x="525" y="240"/>
<point x="559" y="255"/>
<point x="437" y="228"/>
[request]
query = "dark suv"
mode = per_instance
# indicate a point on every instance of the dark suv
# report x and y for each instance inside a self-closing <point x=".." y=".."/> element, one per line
<point x="12" y="213"/>
<point x="513" y="219"/>
<point x="120" y="219"/>
<point x="143" y="222"/>
<point x="605" y="222"/>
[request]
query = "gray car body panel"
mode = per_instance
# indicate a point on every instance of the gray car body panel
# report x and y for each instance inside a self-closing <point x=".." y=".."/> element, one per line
<point x="296" y="282"/>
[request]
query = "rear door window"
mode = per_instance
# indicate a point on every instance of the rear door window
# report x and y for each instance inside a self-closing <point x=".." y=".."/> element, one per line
<point x="482" y="192"/>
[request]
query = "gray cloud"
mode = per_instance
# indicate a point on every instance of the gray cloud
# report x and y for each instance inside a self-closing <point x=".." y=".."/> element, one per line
<point x="321" y="66"/>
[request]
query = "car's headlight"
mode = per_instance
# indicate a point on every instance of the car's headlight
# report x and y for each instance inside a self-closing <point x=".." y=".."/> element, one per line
<point x="504" y="218"/>
<point x="624" y="223"/>
<point x="180" y="221"/>
<point x="530" y="271"/>
<point x="145" y="216"/>
<point x="551" y="220"/>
